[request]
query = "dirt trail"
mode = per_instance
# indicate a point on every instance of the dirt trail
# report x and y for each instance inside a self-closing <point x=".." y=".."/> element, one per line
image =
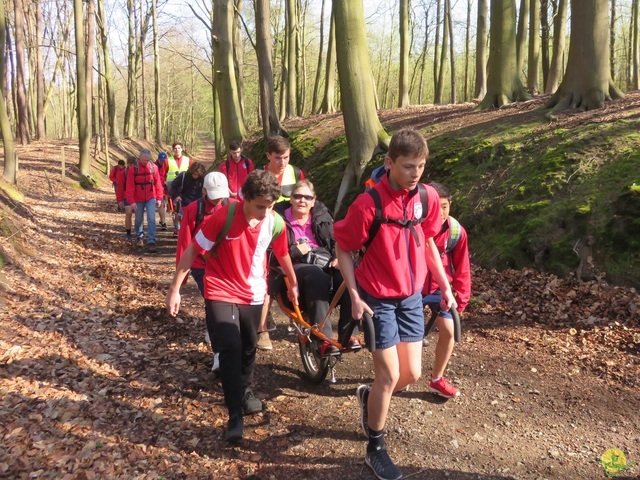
<point x="97" y="381"/>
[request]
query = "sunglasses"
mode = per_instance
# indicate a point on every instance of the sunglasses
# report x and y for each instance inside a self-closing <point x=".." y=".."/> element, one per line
<point x="299" y="196"/>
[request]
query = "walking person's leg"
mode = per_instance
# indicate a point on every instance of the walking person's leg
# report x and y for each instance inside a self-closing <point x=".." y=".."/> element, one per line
<point x="151" y="220"/>
<point x="249" y="320"/>
<point x="139" y="216"/>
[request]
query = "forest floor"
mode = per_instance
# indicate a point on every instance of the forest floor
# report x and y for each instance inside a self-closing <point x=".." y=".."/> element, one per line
<point x="98" y="382"/>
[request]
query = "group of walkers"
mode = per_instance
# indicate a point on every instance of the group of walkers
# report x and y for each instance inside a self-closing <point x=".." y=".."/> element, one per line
<point x="411" y="255"/>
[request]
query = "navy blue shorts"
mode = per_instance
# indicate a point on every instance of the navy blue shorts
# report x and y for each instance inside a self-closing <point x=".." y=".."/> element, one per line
<point x="433" y="301"/>
<point x="396" y="320"/>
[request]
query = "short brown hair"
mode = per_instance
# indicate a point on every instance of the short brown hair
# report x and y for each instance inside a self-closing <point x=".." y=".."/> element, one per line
<point x="176" y="143"/>
<point x="407" y="143"/>
<point x="235" y="145"/>
<point x="196" y="167"/>
<point x="278" y="144"/>
<point x="261" y="183"/>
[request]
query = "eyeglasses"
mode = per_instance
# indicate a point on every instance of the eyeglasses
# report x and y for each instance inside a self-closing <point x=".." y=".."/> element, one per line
<point x="299" y="196"/>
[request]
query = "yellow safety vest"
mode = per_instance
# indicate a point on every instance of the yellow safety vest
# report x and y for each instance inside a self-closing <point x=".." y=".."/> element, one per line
<point x="289" y="180"/>
<point x="174" y="169"/>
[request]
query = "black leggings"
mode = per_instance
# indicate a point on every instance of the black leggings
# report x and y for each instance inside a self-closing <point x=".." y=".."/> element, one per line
<point x="236" y="333"/>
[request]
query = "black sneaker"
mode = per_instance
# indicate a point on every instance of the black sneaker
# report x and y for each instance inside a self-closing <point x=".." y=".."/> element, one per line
<point x="362" y="394"/>
<point x="163" y="227"/>
<point x="250" y="403"/>
<point x="235" y="426"/>
<point x="382" y="465"/>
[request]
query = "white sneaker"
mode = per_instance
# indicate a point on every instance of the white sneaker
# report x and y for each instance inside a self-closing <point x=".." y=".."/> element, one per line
<point x="216" y="362"/>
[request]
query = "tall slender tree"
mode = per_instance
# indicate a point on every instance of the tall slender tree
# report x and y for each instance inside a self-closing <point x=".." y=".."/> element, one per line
<point x="329" y="98"/>
<point x="481" y="50"/>
<point x="316" y="83"/>
<point x="22" y="105"/>
<point x="10" y="170"/>
<point x="81" y="91"/>
<point x="156" y="75"/>
<point x="521" y="34"/>
<point x="587" y="83"/>
<point x="362" y="125"/>
<point x="40" y="131"/>
<point x="557" y="56"/>
<point x="403" y="96"/>
<point x="533" y="64"/>
<point x="114" y="134"/>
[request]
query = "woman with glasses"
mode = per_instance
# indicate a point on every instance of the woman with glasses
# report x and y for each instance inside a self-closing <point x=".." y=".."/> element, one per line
<point x="312" y="251"/>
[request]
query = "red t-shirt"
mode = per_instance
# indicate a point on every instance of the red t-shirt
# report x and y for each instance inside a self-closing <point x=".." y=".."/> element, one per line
<point x="237" y="273"/>
<point x="237" y="172"/>
<point x="394" y="266"/>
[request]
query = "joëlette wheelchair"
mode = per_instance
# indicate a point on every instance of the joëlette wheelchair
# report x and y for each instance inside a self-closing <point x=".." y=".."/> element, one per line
<point x="317" y="366"/>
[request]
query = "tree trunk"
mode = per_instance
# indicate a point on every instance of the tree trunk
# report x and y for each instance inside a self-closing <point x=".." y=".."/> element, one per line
<point x="436" y="57"/>
<point x="233" y="127"/>
<point x="22" y="106"/>
<point x="403" y="95"/>
<point x="635" y="45"/>
<point x="362" y="127"/>
<point x="466" y="52"/>
<point x="533" y="67"/>
<point x="423" y="65"/>
<point x="40" y="128"/>
<point x="587" y="82"/>
<point x="521" y="35"/>
<point x="292" y="33"/>
<point x="81" y="90"/>
<point x="452" y="53"/>
<point x="612" y="39"/>
<point x="503" y="84"/>
<point x="143" y="83"/>
<point x="559" y="28"/>
<point x="316" y="83"/>
<point x="544" y="41"/>
<point x="238" y="53"/>
<point x="270" y="122"/>
<point x="114" y="134"/>
<point x="10" y="171"/>
<point x="132" y="71"/>
<point x="90" y="53"/>
<point x="481" y="50"/>
<point x="156" y="76"/>
<point x="329" y="97"/>
<point x="443" y="55"/>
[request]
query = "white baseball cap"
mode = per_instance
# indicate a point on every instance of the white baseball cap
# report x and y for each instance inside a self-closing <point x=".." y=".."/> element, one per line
<point x="216" y="185"/>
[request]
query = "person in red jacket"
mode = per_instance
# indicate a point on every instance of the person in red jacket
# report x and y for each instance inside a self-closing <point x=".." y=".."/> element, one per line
<point x="452" y="245"/>
<point x="395" y="222"/>
<point x="113" y="174"/>
<point x="144" y="192"/>
<point x="163" y="166"/>
<point x="236" y="168"/>
<point x="215" y="194"/>
<point x="121" y="188"/>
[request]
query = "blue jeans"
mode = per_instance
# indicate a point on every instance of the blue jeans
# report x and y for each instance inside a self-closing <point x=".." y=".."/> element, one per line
<point x="150" y="207"/>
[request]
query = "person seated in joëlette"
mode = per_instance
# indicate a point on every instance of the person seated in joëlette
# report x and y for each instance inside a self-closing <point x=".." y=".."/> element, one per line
<point x="312" y="251"/>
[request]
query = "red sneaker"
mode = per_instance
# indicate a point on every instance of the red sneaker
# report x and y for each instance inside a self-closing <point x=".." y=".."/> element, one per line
<point x="443" y="388"/>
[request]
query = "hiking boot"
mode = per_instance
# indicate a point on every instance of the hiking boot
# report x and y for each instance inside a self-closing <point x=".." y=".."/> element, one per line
<point x="151" y="248"/>
<point x="250" y="403"/>
<point x="235" y="426"/>
<point x="264" y="342"/>
<point x="362" y="394"/>
<point x="163" y="227"/>
<point x="216" y="363"/>
<point x="383" y="467"/>
<point x="271" y="324"/>
<point x="325" y="349"/>
<point x="443" y="388"/>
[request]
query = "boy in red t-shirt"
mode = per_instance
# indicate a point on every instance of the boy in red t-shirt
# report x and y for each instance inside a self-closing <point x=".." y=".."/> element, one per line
<point x="452" y="245"/>
<point x="388" y="281"/>
<point x="235" y="286"/>
<point x="236" y="168"/>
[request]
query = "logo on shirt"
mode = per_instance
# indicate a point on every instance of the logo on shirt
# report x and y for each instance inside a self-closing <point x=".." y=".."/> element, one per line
<point x="417" y="210"/>
<point x="231" y="238"/>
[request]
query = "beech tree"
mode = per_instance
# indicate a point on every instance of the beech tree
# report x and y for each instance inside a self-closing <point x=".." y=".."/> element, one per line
<point x="81" y="91"/>
<point x="362" y="126"/>
<point x="403" y="96"/>
<point x="559" y="28"/>
<point x="587" y="83"/>
<point x="114" y="135"/>
<point x="481" y="50"/>
<point x="533" y="65"/>
<point x="233" y="127"/>
<point x="10" y="170"/>
<point x="503" y="82"/>
<point x="22" y="104"/>
<point x="329" y="98"/>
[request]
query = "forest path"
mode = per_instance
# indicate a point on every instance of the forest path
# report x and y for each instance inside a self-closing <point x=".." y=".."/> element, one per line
<point x="206" y="152"/>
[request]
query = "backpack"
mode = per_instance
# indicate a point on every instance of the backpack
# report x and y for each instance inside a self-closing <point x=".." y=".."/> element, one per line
<point x="201" y="210"/>
<point x="136" y="174"/>
<point x="410" y="224"/>
<point x="455" y="232"/>
<point x="278" y="227"/>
